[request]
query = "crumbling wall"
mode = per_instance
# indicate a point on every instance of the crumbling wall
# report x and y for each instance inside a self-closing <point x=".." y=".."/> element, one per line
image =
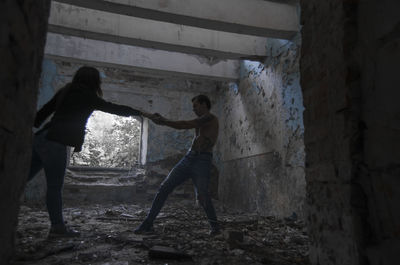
<point x="167" y="95"/>
<point x="349" y="76"/>
<point x="378" y="170"/>
<point x="35" y="190"/>
<point x="260" y="150"/>
<point x="330" y="94"/>
<point x="22" y="37"/>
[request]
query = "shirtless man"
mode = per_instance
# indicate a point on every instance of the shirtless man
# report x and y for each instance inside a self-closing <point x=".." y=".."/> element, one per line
<point x="196" y="164"/>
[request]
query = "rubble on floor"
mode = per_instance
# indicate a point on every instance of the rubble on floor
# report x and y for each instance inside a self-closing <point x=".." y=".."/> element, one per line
<point x="180" y="237"/>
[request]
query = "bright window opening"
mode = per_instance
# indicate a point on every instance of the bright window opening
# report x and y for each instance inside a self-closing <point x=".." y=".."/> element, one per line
<point x="111" y="141"/>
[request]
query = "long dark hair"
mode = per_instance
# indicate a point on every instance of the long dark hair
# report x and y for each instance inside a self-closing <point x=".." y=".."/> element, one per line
<point x="89" y="77"/>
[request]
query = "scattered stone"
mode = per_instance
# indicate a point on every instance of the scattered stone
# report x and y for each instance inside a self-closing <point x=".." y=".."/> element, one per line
<point x="234" y="238"/>
<point x="162" y="252"/>
<point x="237" y="252"/>
<point x="125" y="215"/>
<point x="117" y="263"/>
<point x="107" y="237"/>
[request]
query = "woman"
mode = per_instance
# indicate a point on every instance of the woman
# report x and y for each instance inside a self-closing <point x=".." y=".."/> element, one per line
<point x="72" y="106"/>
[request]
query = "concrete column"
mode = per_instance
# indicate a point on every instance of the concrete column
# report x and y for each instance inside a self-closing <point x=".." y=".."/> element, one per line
<point x="22" y="38"/>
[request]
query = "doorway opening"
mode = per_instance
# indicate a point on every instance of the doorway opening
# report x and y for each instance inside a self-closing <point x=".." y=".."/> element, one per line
<point x="111" y="141"/>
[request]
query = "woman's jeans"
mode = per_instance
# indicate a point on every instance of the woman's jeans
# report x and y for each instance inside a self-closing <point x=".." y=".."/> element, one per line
<point x="51" y="156"/>
<point x="193" y="165"/>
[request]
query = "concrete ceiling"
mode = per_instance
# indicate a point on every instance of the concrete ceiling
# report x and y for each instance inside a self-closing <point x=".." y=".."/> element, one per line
<point x="188" y="37"/>
<point x="110" y="54"/>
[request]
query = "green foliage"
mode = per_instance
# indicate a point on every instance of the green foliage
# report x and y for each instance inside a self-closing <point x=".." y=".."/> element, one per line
<point x="110" y="141"/>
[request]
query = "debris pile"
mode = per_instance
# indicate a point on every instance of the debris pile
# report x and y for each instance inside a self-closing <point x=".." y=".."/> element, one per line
<point x="180" y="237"/>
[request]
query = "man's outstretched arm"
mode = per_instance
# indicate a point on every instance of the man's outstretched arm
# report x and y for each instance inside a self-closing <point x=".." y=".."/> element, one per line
<point x="179" y="124"/>
<point x="190" y="124"/>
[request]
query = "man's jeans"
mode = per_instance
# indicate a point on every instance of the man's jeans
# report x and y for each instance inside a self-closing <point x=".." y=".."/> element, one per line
<point x="193" y="165"/>
<point x="51" y="156"/>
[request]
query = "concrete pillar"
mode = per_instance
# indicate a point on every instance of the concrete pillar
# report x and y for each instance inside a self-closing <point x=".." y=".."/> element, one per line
<point x="22" y="39"/>
<point x="349" y="77"/>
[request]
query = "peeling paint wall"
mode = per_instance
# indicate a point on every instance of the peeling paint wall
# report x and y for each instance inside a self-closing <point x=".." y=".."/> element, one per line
<point x="169" y="96"/>
<point x="259" y="154"/>
<point x="260" y="151"/>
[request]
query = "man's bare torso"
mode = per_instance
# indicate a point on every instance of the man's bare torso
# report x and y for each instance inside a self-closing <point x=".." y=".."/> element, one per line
<point x="206" y="133"/>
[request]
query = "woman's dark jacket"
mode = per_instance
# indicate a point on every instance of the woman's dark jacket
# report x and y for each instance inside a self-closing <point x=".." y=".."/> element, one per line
<point x="72" y="106"/>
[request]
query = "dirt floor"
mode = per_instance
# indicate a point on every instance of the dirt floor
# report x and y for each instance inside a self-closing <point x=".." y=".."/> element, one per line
<point x="181" y="237"/>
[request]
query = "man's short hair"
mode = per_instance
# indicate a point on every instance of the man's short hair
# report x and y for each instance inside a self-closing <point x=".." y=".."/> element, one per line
<point x="202" y="99"/>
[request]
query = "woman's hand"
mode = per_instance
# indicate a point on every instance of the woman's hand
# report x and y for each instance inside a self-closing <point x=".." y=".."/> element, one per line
<point x="157" y="119"/>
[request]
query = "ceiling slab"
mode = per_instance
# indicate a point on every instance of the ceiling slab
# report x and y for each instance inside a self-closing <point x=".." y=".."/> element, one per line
<point x="251" y="17"/>
<point x="110" y="54"/>
<point x="83" y="22"/>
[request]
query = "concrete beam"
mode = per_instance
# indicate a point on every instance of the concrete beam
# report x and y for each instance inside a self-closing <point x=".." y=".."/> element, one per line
<point x="83" y="22"/>
<point x="153" y="61"/>
<point x="252" y="17"/>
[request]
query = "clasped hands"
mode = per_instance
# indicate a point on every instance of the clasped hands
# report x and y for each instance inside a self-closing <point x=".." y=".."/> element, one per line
<point x="155" y="117"/>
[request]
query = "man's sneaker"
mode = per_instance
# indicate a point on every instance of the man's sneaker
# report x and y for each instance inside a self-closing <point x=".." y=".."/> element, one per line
<point x="62" y="230"/>
<point x="214" y="231"/>
<point x="144" y="228"/>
